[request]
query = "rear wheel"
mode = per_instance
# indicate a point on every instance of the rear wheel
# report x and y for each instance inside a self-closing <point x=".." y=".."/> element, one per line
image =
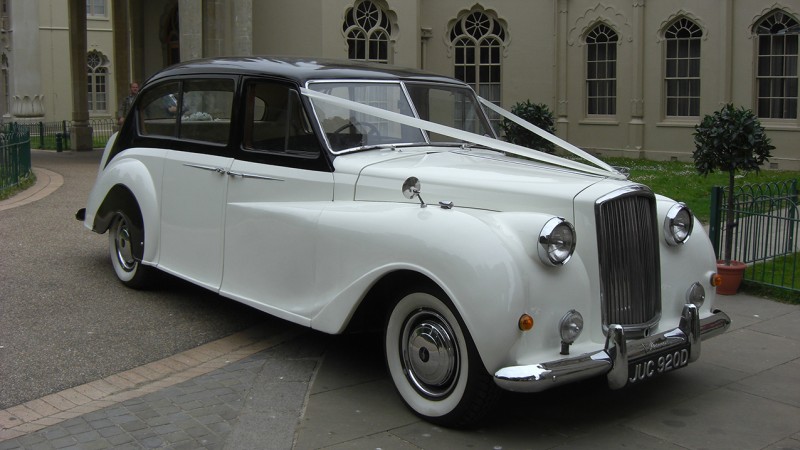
<point x="129" y="270"/>
<point x="434" y="363"/>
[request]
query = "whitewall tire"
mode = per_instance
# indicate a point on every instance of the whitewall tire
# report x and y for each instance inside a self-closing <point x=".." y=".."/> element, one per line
<point x="129" y="271"/>
<point x="433" y="362"/>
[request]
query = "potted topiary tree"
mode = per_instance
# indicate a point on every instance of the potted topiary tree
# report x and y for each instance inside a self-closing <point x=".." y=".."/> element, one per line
<point x="536" y="113"/>
<point x="730" y="140"/>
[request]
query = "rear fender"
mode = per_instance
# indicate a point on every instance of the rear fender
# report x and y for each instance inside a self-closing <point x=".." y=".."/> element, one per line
<point x="129" y="185"/>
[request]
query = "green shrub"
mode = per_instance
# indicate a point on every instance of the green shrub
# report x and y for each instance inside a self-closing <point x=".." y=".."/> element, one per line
<point x="730" y="140"/>
<point x="536" y="113"/>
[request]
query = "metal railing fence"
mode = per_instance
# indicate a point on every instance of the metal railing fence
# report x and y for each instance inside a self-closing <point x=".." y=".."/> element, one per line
<point x="54" y="135"/>
<point x="766" y="236"/>
<point x="15" y="156"/>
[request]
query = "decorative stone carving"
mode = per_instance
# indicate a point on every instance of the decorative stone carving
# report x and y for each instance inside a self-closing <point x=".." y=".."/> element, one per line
<point x="600" y="14"/>
<point x="27" y="106"/>
<point x="681" y="13"/>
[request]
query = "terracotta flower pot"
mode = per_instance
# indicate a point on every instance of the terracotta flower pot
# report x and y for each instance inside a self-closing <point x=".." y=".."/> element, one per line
<point x="731" y="277"/>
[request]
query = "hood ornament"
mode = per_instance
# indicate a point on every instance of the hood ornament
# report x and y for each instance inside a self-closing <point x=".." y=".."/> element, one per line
<point x="411" y="189"/>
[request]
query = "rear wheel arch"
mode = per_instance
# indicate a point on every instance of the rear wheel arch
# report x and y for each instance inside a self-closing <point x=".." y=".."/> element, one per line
<point x="121" y="199"/>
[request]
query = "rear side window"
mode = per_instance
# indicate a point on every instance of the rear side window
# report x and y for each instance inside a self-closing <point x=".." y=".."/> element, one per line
<point x="197" y="110"/>
<point x="157" y="111"/>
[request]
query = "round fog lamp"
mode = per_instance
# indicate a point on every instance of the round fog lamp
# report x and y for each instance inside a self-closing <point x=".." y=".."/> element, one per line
<point x="570" y="328"/>
<point x="696" y="295"/>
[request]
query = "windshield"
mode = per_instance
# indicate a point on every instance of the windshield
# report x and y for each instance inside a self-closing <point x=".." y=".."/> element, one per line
<point x="344" y="128"/>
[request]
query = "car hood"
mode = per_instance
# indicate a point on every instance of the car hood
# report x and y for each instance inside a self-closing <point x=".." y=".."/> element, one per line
<point x="469" y="178"/>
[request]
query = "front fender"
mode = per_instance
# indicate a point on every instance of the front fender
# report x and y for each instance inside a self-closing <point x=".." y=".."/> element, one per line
<point x="478" y="258"/>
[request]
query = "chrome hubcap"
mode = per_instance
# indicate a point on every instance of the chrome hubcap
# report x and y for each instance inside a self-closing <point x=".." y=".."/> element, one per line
<point x="122" y="240"/>
<point x="430" y="353"/>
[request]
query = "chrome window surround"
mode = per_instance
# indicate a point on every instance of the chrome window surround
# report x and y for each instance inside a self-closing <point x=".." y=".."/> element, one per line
<point x="628" y="236"/>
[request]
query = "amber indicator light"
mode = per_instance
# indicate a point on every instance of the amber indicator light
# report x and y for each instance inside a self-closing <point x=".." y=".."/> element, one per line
<point x="525" y="322"/>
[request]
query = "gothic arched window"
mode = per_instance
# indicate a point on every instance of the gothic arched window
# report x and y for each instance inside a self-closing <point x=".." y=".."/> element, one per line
<point x="776" y="73"/>
<point x="368" y="30"/>
<point x="601" y="71"/>
<point x="478" y="41"/>
<point x="97" y="82"/>
<point x="682" y="68"/>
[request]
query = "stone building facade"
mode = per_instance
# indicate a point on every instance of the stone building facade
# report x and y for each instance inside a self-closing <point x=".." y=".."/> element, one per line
<point x="623" y="77"/>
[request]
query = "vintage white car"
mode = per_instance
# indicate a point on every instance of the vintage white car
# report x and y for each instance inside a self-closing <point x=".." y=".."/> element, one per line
<point x="346" y="196"/>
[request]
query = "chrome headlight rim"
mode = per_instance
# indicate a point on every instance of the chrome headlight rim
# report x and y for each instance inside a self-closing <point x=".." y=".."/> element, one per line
<point x="556" y="242"/>
<point x="678" y="224"/>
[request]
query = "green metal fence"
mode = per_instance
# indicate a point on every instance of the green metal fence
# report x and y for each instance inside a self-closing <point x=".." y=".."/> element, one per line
<point x="766" y="234"/>
<point x="15" y="156"/>
<point x="55" y="135"/>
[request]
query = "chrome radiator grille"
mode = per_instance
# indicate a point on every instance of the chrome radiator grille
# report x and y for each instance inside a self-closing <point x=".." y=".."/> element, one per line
<point x="630" y="278"/>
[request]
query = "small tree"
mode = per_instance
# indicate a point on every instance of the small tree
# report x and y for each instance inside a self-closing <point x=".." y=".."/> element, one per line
<point x="730" y="140"/>
<point x="536" y="113"/>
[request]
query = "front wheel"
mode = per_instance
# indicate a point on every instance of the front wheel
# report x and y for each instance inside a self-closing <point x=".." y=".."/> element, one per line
<point x="130" y="272"/>
<point x="434" y="363"/>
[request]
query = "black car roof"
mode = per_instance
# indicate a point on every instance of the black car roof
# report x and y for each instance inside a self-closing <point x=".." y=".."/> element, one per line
<point x="299" y="70"/>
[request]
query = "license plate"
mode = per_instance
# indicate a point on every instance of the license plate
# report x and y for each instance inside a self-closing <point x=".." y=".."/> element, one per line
<point x="657" y="364"/>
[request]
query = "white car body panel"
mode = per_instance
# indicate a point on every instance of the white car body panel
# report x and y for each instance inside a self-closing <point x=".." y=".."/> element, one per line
<point x="193" y="216"/>
<point x="309" y="244"/>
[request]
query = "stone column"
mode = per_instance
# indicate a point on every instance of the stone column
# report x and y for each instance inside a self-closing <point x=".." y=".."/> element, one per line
<point x="561" y="81"/>
<point x="726" y="66"/>
<point x="27" y="99"/>
<point x="636" y="124"/>
<point x="242" y="14"/>
<point x="80" y="131"/>
<point x="191" y="26"/>
<point x="123" y="75"/>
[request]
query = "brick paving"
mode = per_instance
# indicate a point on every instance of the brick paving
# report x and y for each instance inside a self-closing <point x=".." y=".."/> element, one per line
<point x="190" y="400"/>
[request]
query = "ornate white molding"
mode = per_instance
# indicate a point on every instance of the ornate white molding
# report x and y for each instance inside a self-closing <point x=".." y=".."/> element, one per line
<point x="600" y="14"/>
<point x="464" y="13"/>
<point x="777" y="6"/>
<point x="678" y="15"/>
<point x="390" y="14"/>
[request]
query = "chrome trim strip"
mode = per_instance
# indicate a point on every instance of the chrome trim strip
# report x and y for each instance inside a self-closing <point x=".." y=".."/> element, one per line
<point x="613" y="359"/>
<point x="219" y="170"/>
<point x="252" y="175"/>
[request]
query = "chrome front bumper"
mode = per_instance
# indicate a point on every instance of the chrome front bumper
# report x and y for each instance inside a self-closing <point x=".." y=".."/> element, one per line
<point x="612" y="361"/>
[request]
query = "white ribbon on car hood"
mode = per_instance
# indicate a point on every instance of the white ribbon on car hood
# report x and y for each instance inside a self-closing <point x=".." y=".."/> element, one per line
<point x="603" y="169"/>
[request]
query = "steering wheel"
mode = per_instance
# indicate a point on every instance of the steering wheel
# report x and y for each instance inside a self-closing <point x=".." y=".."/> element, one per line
<point x="372" y="130"/>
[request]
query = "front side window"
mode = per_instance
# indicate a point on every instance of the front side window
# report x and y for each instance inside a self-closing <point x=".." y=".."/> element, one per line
<point x="682" y="72"/>
<point x="367" y="29"/>
<point x="97" y="82"/>
<point x="776" y="72"/>
<point x="276" y="122"/>
<point x="477" y="40"/>
<point x="601" y="71"/>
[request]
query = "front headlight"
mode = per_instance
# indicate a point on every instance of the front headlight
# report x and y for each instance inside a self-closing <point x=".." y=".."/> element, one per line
<point x="678" y="224"/>
<point x="556" y="242"/>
